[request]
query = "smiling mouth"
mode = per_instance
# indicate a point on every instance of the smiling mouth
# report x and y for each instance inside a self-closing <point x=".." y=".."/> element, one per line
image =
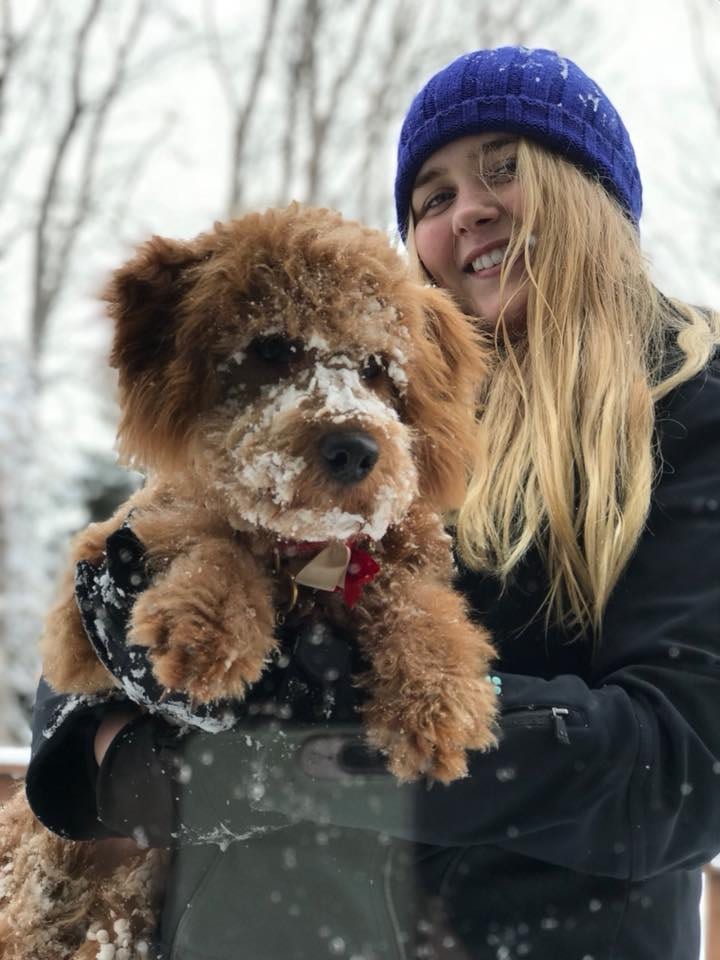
<point x="486" y="261"/>
<point x="492" y="258"/>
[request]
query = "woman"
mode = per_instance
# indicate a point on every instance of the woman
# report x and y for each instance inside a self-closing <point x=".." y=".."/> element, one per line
<point x="589" y="543"/>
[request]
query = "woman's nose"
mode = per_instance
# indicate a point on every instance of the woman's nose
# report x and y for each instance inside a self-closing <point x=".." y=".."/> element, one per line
<point x="474" y="207"/>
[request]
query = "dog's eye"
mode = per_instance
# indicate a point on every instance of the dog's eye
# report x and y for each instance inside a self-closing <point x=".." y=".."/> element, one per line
<point x="278" y="349"/>
<point x="371" y="368"/>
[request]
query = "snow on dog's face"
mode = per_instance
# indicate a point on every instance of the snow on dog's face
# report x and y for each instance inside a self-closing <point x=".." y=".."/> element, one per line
<point x="290" y="369"/>
<point x="308" y="442"/>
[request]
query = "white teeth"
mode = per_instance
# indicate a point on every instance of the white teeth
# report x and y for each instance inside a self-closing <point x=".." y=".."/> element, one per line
<point x="496" y="256"/>
<point x="490" y="259"/>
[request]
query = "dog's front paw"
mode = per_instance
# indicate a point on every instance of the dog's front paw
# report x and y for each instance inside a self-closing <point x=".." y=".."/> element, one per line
<point x="195" y="653"/>
<point x="411" y="754"/>
<point x="429" y="734"/>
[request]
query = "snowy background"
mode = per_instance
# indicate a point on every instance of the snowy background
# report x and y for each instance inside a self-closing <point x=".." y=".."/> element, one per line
<point x="122" y="118"/>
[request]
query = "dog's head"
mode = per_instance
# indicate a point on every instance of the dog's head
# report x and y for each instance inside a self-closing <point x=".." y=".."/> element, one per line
<point x="287" y="364"/>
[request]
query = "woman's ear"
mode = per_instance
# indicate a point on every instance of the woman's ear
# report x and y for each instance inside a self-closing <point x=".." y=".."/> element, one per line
<point x="447" y="368"/>
<point x="144" y="299"/>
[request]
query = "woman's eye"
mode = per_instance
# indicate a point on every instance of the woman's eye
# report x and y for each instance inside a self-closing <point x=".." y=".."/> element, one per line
<point x="502" y="172"/>
<point x="371" y="368"/>
<point x="277" y="349"/>
<point x="437" y="199"/>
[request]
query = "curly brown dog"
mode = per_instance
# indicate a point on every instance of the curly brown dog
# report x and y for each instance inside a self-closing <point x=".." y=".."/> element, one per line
<point x="294" y="397"/>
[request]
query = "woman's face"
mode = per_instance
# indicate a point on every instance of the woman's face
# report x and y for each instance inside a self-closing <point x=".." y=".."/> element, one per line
<point x="463" y="222"/>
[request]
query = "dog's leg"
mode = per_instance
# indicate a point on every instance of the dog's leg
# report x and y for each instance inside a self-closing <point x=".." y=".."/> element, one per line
<point x="121" y="922"/>
<point x="208" y="622"/>
<point x="70" y="664"/>
<point x="37" y="871"/>
<point x="430" y="699"/>
<point x="56" y="896"/>
<point x="69" y="661"/>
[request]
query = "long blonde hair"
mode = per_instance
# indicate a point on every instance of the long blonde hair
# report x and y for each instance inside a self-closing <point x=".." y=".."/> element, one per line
<point x="567" y="414"/>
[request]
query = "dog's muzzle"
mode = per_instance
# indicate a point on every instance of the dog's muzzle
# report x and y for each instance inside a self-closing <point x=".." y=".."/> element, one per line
<point x="348" y="455"/>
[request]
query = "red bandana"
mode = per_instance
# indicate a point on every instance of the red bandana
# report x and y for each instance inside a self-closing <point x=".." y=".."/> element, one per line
<point x="359" y="570"/>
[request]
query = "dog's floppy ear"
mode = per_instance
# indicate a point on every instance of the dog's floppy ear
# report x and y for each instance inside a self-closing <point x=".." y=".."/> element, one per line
<point x="447" y="367"/>
<point x="144" y="299"/>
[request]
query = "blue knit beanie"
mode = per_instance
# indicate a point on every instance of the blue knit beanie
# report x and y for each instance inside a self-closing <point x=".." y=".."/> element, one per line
<point x="534" y="93"/>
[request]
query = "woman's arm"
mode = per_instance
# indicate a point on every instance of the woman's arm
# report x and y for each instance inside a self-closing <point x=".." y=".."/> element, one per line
<point x="60" y="781"/>
<point x="110" y="726"/>
<point x="627" y="781"/>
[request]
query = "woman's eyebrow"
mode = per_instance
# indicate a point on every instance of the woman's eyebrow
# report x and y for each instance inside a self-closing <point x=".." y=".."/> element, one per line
<point x="482" y="150"/>
<point x="498" y="144"/>
<point x="491" y="147"/>
<point x="427" y="175"/>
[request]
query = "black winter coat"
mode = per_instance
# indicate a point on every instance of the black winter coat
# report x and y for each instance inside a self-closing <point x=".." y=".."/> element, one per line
<point x="581" y="838"/>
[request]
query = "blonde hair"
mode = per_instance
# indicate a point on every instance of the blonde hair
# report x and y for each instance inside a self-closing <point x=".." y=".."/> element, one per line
<point x="567" y="415"/>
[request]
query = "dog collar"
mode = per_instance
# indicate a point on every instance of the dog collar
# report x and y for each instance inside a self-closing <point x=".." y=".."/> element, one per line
<point x="334" y="566"/>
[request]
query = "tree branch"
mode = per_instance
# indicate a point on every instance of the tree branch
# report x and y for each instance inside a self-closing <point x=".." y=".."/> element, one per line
<point x="381" y="102"/>
<point x="40" y="299"/>
<point x="242" y="110"/>
<point x="136" y="169"/>
<point x="217" y="57"/>
<point x="294" y="81"/>
<point x="243" y="115"/>
<point x="321" y="119"/>
<point x="66" y="244"/>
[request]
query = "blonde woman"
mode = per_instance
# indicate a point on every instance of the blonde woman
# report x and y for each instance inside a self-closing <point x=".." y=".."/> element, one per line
<point x="590" y="537"/>
<point x="589" y="543"/>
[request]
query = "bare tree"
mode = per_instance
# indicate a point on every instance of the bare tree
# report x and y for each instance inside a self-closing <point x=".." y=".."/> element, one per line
<point x="382" y="103"/>
<point x="342" y="76"/>
<point x="55" y="238"/>
<point x="21" y="570"/>
<point x="13" y="41"/>
<point x="8" y="49"/>
<point x="515" y="21"/>
<point x="242" y="107"/>
<point x="315" y="93"/>
<point x="322" y="114"/>
<point x="56" y="105"/>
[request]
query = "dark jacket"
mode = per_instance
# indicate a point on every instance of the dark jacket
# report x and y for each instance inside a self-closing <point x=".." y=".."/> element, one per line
<point x="582" y="836"/>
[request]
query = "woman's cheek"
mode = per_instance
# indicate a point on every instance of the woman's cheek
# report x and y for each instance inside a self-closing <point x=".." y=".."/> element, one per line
<point x="433" y="243"/>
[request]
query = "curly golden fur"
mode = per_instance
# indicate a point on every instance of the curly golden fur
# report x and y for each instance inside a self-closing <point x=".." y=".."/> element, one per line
<point x="238" y="353"/>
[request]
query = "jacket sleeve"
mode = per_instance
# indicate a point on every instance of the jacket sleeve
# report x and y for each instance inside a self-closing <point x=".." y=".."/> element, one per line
<point x="618" y="776"/>
<point x="60" y="780"/>
<point x="167" y="786"/>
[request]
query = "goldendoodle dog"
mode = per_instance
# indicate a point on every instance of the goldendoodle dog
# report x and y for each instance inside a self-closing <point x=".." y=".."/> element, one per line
<point x="304" y="412"/>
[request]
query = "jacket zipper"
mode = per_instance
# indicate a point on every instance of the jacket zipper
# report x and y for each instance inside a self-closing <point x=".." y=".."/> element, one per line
<point x="539" y="717"/>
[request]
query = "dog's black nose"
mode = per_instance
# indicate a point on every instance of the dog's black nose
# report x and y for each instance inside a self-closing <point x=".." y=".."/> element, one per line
<point x="349" y="455"/>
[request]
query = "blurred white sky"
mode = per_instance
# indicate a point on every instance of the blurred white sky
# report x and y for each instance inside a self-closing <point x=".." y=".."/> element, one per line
<point x="647" y="66"/>
<point x="641" y="54"/>
<point x="639" y="51"/>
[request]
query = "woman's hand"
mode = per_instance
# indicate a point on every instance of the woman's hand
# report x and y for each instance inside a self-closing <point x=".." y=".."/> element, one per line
<point x="110" y="725"/>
